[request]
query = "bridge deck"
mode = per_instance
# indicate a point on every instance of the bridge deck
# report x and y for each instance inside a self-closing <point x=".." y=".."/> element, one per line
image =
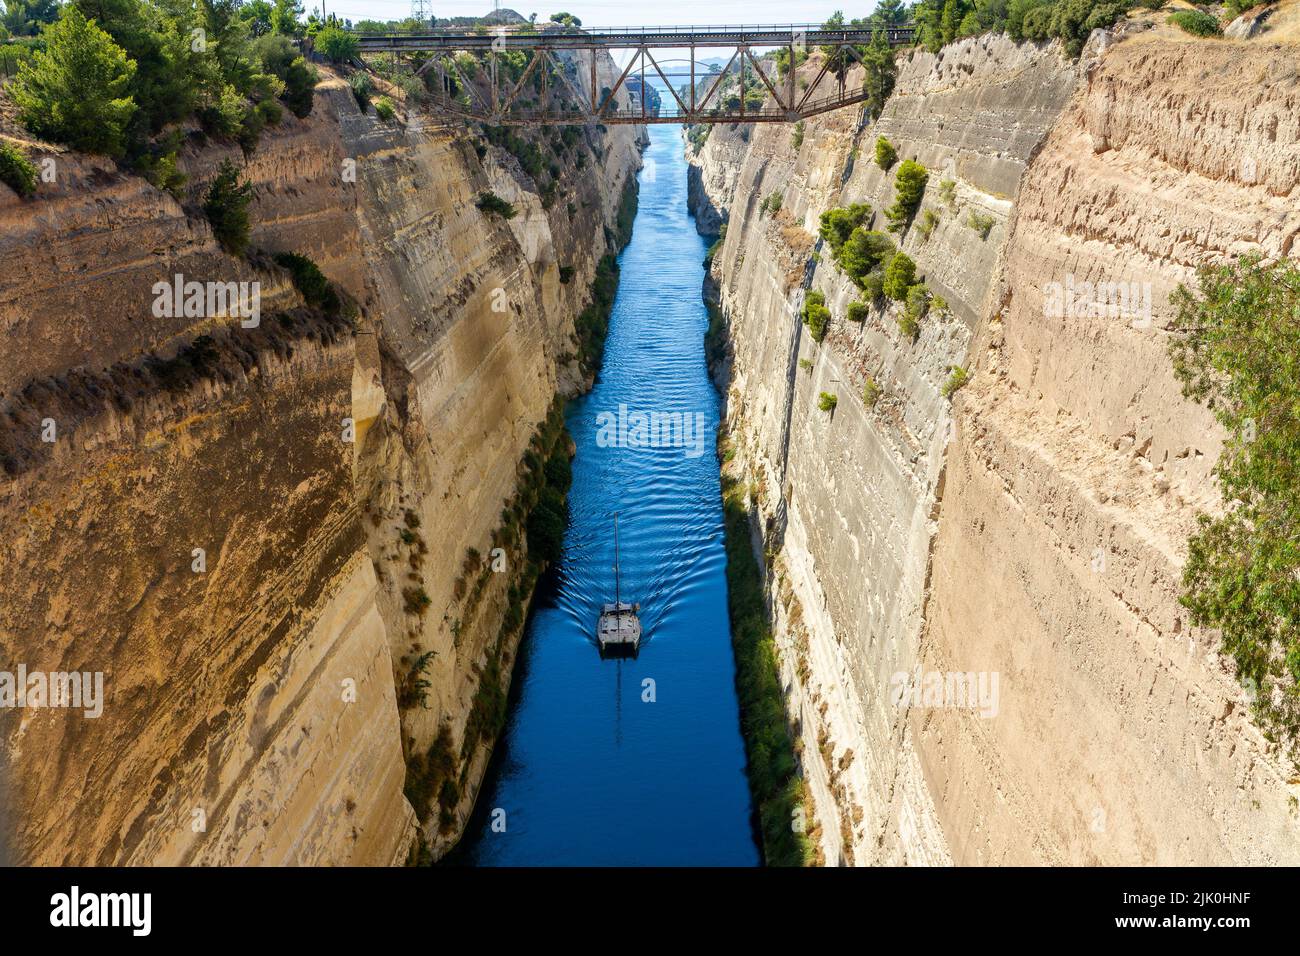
<point x="622" y="37"/>
<point x="571" y="57"/>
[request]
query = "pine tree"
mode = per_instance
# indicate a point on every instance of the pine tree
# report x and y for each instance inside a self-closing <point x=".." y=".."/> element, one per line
<point x="76" y="91"/>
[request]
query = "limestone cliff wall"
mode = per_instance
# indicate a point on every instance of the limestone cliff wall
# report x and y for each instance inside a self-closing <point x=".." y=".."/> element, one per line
<point x="257" y="703"/>
<point x="922" y="535"/>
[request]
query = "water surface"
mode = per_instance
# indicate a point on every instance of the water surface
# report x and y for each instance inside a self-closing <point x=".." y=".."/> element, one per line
<point x="588" y="771"/>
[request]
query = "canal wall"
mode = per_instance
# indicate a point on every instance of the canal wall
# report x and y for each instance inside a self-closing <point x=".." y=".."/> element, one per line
<point x="276" y="544"/>
<point x="1031" y="528"/>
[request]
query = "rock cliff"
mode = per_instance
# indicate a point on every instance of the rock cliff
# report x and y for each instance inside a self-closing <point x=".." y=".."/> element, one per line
<point x="1031" y="528"/>
<point x="259" y="535"/>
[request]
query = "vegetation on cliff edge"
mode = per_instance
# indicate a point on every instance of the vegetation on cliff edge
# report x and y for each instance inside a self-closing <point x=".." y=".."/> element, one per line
<point x="1236" y="349"/>
<point x="774" y="780"/>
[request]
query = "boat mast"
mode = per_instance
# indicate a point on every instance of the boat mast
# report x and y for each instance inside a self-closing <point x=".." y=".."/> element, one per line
<point x="617" y="600"/>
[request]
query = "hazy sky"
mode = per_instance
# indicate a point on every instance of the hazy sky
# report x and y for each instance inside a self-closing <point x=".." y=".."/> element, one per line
<point x="611" y="13"/>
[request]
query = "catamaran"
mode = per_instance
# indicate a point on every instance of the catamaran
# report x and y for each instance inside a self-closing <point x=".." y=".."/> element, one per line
<point x="619" y="629"/>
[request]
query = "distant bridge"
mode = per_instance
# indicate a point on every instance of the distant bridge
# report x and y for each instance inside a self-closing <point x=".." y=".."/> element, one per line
<point x="567" y="53"/>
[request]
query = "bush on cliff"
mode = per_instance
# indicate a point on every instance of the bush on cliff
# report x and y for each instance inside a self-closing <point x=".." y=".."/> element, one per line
<point x="1196" y="22"/>
<point x="77" y="90"/>
<point x="885" y="153"/>
<point x="940" y="22"/>
<point x="900" y="276"/>
<point x="909" y="187"/>
<point x="493" y="205"/>
<point x="838" y="224"/>
<point x="771" y="766"/>
<point x="226" y="206"/>
<point x="815" y="315"/>
<point x="1234" y="349"/>
<point x="16" y="170"/>
<point x="339" y="46"/>
<point x="865" y="251"/>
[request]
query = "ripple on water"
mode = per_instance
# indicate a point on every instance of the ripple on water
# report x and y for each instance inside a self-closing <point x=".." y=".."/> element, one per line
<point x="587" y="771"/>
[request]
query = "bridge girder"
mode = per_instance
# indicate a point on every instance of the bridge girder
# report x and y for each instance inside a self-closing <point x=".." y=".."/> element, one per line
<point x="549" y="51"/>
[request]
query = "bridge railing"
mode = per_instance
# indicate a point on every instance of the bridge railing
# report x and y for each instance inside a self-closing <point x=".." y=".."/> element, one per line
<point x="520" y="30"/>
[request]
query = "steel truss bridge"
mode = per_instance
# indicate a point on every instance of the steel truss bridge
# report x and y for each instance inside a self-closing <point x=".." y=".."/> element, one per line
<point x="571" y="56"/>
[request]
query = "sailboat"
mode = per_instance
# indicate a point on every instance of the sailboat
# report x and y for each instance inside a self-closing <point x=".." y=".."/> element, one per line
<point x="619" y="629"/>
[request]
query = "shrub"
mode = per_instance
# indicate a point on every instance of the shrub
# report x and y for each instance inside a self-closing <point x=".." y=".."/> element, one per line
<point x="900" y="275"/>
<point x="16" y="170"/>
<point x="415" y="600"/>
<point x="545" y="527"/>
<point x="980" y="222"/>
<point x="885" y="153"/>
<point x="870" y="393"/>
<point x="226" y="207"/>
<point x="384" y="109"/>
<point x="948" y="192"/>
<point x="77" y="90"/>
<point x="908" y="326"/>
<point x="917" y="302"/>
<point x="299" y="87"/>
<point x="339" y="46"/>
<point x="361" y="87"/>
<point x="956" y="379"/>
<point x="838" y="224"/>
<point x="771" y="205"/>
<point x="315" y="289"/>
<point x="815" y="315"/>
<point x="493" y="205"/>
<point x="827" y="402"/>
<point x="806" y="364"/>
<point x="858" y="311"/>
<point x="270" y="112"/>
<point x="796" y="138"/>
<point x="771" y="765"/>
<point x="864" y="252"/>
<point x="1196" y="23"/>
<point x="909" y="187"/>
<point x="927" y="225"/>
<point x="1233" y="350"/>
<point x="873" y="285"/>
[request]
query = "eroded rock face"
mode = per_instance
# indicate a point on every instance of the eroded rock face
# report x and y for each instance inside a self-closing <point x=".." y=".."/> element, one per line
<point x="220" y="536"/>
<point x="924" y="536"/>
<point x="1074" y="476"/>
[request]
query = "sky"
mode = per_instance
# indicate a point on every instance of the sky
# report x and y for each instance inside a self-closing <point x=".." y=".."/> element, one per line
<point x="602" y="13"/>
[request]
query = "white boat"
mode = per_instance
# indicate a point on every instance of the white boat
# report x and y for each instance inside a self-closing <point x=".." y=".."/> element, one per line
<point x="619" y="629"/>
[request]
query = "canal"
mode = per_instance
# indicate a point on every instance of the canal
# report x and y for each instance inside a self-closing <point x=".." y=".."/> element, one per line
<point x="632" y="762"/>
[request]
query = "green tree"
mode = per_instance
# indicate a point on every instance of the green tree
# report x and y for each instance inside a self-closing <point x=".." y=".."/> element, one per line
<point x="909" y="187"/>
<point x="286" y="17"/>
<point x="16" y="170"/>
<point x="881" y="71"/>
<point x="864" y="251"/>
<point x="76" y="90"/>
<point x="836" y="225"/>
<point x="338" y="45"/>
<point x="815" y="315"/>
<point x="900" y="275"/>
<point x="885" y="153"/>
<point x="26" y="17"/>
<point x="1235" y="350"/>
<point x="256" y="15"/>
<point x="226" y="207"/>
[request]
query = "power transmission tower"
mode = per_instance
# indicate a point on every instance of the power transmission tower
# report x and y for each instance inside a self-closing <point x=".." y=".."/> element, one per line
<point x="421" y="10"/>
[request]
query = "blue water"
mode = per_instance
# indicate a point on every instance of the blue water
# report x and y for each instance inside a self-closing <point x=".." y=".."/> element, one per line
<point x="587" y="771"/>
